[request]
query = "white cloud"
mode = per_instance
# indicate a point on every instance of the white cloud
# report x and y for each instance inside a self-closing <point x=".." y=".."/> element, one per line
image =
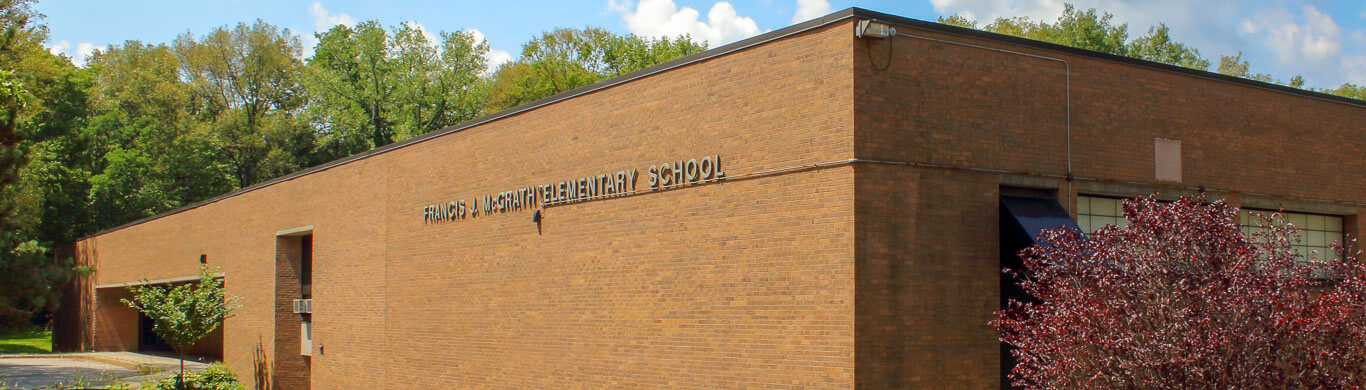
<point x="495" y="57"/>
<point x="498" y="58"/>
<point x="1317" y="41"/>
<point x="323" y="21"/>
<point x="1309" y="43"/>
<point x="1354" y="68"/>
<point x="810" y="9"/>
<point x="83" y="50"/>
<point x="1199" y="23"/>
<point x="985" y="11"/>
<point x="77" y="56"/>
<point x="59" y="48"/>
<point x="663" y="18"/>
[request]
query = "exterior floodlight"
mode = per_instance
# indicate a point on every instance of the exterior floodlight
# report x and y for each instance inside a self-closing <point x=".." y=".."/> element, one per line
<point x="871" y="29"/>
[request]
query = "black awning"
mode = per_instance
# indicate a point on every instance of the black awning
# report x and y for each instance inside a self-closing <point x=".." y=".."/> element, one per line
<point x="1033" y="215"/>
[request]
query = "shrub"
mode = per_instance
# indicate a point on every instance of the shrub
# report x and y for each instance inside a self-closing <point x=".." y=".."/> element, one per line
<point x="216" y="377"/>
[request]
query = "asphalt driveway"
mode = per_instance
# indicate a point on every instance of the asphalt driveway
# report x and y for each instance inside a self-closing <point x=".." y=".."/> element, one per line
<point x="31" y="372"/>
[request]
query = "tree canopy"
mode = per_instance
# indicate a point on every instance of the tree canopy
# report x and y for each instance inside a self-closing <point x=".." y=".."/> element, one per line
<point x="371" y="86"/>
<point x="1094" y="30"/>
<point x="41" y="97"/>
<point x="144" y="128"/>
<point x="564" y="59"/>
<point x="1087" y="29"/>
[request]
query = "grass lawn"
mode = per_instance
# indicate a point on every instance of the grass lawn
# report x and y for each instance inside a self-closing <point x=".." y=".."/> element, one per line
<point x="29" y="340"/>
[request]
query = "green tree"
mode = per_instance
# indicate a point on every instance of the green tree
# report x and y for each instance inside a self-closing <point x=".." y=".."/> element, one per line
<point x="40" y="98"/>
<point x="12" y="99"/>
<point x="56" y="111"/>
<point x="30" y="281"/>
<point x="1094" y="30"/>
<point x="1157" y="46"/>
<point x="373" y="86"/>
<point x="1296" y="82"/>
<point x="1236" y="66"/>
<point x="246" y="89"/>
<point x="1349" y="90"/>
<point x="147" y="155"/>
<point x="1088" y="29"/>
<point x="184" y="314"/>
<point x="958" y="20"/>
<point x="564" y="59"/>
<point x="19" y="27"/>
<point x="27" y="276"/>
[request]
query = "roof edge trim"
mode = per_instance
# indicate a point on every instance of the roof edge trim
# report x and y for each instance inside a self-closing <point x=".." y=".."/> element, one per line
<point x="1053" y="47"/>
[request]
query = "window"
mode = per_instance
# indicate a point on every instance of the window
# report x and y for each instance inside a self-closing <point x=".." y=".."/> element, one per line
<point x="1317" y="232"/>
<point x="306" y="266"/>
<point x="1095" y="212"/>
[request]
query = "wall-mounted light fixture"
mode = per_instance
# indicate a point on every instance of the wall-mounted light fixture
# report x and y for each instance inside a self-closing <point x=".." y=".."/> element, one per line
<point x="871" y="29"/>
<point x="203" y="258"/>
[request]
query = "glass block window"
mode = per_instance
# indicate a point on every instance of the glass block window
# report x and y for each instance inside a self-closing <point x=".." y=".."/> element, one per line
<point x="1317" y="232"/>
<point x="1095" y="212"/>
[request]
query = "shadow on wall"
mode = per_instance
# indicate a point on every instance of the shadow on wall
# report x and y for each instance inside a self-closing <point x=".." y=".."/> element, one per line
<point x="260" y="367"/>
<point x="72" y="324"/>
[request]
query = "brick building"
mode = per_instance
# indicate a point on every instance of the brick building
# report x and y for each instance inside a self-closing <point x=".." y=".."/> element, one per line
<point x="806" y="208"/>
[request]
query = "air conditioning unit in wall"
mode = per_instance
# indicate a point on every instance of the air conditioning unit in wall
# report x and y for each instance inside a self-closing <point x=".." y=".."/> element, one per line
<point x="303" y="306"/>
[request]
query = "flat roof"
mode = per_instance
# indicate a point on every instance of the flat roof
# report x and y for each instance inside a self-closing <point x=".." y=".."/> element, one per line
<point x="798" y="28"/>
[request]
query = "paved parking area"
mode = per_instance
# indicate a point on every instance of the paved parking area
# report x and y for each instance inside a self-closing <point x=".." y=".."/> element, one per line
<point x="27" y="372"/>
<point x="31" y="372"/>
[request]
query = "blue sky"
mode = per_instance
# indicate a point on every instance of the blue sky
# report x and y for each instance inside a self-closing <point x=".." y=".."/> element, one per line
<point x="1324" y="40"/>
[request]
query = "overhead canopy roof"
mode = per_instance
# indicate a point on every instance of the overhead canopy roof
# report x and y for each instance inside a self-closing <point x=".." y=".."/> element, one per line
<point x="1034" y="215"/>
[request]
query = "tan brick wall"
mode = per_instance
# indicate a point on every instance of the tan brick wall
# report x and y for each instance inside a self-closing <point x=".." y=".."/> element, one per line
<point x="927" y="237"/>
<point x="744" y="283"/>
<point x="116" y="324"/>
<point x="290" y="369"/>
<point x="777" y="281"/>
<point x="926" y="278"/>
<point x="956" y="105"/>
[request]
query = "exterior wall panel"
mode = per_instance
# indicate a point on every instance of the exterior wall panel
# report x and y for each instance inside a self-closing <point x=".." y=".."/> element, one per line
<point x="980" y="119"/>
<point x="698" y="287"/>
<point x="854" y="243"/>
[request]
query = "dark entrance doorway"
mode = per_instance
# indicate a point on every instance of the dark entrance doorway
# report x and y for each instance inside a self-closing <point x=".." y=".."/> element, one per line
<point x="148" y="341"/>
<point x="1024" y="214"/>
<point x="292" y="366"/>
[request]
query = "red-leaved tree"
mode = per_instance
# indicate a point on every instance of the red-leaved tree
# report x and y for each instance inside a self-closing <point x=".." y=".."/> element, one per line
<point x="1182" y="298"/>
